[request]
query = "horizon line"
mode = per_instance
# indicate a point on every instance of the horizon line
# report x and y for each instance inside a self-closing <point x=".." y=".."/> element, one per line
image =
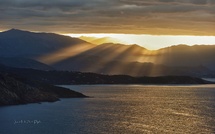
<point x="62" y="33"/>
<point x="148" y="41"/>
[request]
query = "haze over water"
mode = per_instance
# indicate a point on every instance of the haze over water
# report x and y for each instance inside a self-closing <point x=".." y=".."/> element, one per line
<point x="119" y="109"/>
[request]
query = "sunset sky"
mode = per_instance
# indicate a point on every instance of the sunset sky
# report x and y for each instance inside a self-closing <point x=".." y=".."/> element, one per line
<point x="134" y="17"/>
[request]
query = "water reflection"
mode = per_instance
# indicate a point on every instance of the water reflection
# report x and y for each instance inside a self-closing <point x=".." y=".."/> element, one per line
<point x="164" y="109"/>
<point x="121" y="109"/>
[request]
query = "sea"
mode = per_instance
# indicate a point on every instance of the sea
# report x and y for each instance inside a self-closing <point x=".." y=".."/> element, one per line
<point x="118" y="109"/>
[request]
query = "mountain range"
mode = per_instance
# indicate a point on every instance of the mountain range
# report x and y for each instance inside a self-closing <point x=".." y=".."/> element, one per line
<point x="99" y="41"/>
<point x="48" y="51"/>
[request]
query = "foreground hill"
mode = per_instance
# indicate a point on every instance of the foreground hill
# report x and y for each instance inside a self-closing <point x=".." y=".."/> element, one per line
<point x="13" y="92"/>
<point x="18" y="90"/>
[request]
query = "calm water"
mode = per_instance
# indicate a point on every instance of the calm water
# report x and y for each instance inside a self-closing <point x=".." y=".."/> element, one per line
<point x="118" y="109"/>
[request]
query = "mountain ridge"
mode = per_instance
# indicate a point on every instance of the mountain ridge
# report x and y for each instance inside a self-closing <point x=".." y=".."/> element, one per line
<point x="24" y="43"/>
<point x="72" y="54"/>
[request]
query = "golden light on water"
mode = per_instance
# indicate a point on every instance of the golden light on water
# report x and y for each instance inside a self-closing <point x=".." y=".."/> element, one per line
<point x="154" y="42"/>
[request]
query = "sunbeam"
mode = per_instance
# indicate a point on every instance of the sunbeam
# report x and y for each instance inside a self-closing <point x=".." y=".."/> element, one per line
<point x="64" y="53"/>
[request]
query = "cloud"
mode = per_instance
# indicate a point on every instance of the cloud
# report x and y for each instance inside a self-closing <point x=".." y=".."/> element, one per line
<point x="110" y="16"/>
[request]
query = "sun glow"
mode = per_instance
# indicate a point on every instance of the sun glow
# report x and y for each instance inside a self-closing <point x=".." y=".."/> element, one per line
<point x="154" y="42"/>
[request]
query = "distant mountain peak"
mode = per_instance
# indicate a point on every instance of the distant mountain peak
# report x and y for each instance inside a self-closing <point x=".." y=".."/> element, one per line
<point x="137" y="46"/>
<point x="15" y="31"/>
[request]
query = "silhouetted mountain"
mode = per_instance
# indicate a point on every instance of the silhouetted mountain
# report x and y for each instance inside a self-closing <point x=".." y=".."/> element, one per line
<point x="24" y="63"/>
<point x="15" y="90"/>
<point x="28" y="44"/>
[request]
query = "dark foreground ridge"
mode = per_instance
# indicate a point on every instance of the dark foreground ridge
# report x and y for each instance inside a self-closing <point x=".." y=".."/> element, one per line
<point x="75" y="78"/>
<point x="21" y="91"/>
<point x="21" y="86"/>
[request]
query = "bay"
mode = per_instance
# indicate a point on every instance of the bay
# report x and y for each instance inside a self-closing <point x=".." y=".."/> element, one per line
<point x="118" y="109"/>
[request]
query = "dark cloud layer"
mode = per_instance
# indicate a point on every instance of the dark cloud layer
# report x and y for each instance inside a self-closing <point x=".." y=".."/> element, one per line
<point x="196" y="17"/>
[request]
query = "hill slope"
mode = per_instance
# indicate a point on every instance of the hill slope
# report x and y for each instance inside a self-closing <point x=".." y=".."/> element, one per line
<point x="24" y="63"/>
<point x="15" y="89"/>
